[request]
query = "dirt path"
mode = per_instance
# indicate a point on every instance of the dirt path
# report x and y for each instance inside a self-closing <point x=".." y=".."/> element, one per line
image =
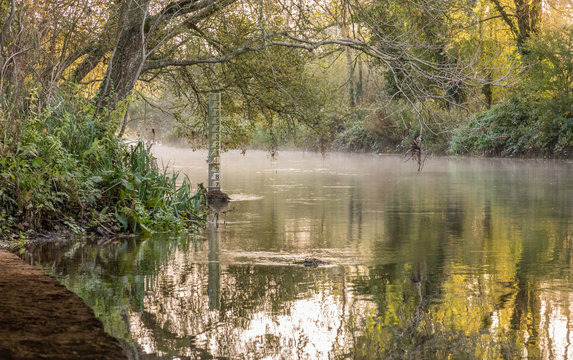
<point x="41" y="319"/>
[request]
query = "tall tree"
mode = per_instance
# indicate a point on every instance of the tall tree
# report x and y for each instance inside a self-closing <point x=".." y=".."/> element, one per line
<point x="527" y="13"/>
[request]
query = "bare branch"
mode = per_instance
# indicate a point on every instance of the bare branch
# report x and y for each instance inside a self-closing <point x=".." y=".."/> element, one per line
<point x="250" y="46"/>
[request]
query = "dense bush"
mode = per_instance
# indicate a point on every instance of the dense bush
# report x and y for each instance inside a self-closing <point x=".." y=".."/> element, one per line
<point x="517" y="127"/>
<point x="66" y="167"/>
<point x="355" y="137"/>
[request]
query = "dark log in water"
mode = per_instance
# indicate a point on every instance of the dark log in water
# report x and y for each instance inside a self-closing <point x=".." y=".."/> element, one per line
<point x="311" y="262"/>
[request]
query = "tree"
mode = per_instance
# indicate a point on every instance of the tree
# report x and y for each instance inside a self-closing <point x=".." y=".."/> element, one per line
<point x="527" y="13"/>
<point x="109" y="46"/>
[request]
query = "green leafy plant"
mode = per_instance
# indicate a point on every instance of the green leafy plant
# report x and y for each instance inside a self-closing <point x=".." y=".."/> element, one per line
<point x="68" y="169"/>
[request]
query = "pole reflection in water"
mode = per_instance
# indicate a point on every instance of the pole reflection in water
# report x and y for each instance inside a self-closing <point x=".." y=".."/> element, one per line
<point x="214" y="278"/>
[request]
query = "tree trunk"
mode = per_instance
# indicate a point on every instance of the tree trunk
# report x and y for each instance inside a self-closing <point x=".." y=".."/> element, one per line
<point x="535" y="16"/>
<point x="528" y="15"/>
<point x="345" y="34"/>
<point x="128" y="55"/>
<point x="523" y="24"/>
<point x="359" y="84"/>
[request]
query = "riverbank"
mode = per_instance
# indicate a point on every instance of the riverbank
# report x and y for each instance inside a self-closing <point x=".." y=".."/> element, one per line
<point x="41" y="319"/>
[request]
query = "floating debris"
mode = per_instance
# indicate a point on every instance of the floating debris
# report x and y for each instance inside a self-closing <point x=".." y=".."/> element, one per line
<point x="311" y="262"/>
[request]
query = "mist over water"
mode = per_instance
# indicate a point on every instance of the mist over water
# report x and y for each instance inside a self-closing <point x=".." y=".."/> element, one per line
<point x="470" y="258"/>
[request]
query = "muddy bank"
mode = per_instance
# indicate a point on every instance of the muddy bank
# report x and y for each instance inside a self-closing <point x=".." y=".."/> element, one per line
<point x="41" y="319"/>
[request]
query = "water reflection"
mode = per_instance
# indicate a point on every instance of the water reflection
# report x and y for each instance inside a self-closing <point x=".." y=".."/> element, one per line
<point x="469" y="259"/>
<point x="214" y="282"/>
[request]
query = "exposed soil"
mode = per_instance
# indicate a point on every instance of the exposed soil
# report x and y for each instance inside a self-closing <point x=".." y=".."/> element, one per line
<point x="41" y="319"/>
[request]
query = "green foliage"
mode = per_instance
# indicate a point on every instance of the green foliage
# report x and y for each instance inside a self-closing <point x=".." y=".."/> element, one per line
<point x="146" y="199"/>
<point x="517" y="127"/>
<point x="69" y="169"/>
<point x="393" y="128"/>
<point x="538" y="119"/>
<point x="355" y="138"/>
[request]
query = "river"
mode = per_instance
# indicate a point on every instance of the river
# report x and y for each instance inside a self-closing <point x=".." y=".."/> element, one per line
<point x="470" y="258"/>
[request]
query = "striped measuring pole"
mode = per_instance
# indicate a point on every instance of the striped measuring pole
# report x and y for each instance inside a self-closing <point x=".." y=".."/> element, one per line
<point x="214" y="123"/>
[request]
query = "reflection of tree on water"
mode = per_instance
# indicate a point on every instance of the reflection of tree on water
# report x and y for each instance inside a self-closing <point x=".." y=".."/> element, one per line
<point x="174" y="297"/>
<point x="481" y="298"/>
<point x="412" y="320"/>
<point x="410" y="290"/>
<point x="466" y="275"/>
<point x="354" y="211"/>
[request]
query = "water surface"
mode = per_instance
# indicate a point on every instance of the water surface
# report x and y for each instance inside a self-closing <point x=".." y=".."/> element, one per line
<point x="471" y="258"/>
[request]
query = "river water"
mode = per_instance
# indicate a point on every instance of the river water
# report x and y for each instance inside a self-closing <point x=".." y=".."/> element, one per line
<point x="470" y="258"/>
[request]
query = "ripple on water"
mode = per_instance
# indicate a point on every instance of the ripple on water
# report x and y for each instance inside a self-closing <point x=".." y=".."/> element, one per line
<point x="245" y="197"/>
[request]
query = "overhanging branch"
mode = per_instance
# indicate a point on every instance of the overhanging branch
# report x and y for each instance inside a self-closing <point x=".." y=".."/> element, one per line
<point x="252" y="46"/>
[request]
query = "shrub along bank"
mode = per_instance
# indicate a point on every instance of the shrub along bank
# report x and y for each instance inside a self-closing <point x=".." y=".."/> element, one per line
<point x="65" y="167"/>
<point x="518" y="127"/>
